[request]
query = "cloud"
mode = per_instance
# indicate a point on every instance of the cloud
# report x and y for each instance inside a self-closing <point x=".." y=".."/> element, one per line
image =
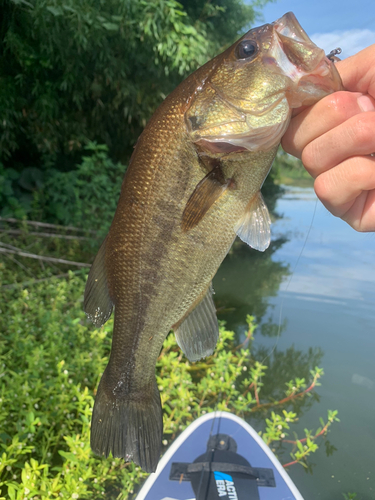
<point x="350" y="41"/>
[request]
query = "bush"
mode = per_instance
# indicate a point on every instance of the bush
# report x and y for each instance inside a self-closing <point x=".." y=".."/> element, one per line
<point x="79" y="70"/>
<point x="51" y="361"/>
<point x="17" y="189"/>
<point x="85" y="197"/>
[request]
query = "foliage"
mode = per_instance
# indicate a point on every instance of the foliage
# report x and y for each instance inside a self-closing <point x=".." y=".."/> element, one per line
<point x="85" y="197"/>
<point x="52" y="360"/>
<point x="9" y="194"/>
<point x="289" y="170"/>
<point x="79" y="70"/>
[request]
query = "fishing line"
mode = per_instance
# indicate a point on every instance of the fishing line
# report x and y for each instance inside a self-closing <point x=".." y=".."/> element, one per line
<point x="288" y="284"/>
<point x="216" y="418"/>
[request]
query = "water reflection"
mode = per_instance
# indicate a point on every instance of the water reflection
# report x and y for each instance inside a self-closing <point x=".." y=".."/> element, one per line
<point x="284" y="366"/>
<point x="245" y="282"/>
<point x="321" y="275"/>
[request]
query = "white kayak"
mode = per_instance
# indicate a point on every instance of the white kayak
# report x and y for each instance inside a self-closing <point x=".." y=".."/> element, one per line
<point x="219" y="456"/>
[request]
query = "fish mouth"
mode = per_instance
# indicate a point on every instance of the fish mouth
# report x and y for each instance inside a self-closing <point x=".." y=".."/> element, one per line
<point x="290" y="71"/>
<point x="289" y="26"/>
<point x="313" y="75"/>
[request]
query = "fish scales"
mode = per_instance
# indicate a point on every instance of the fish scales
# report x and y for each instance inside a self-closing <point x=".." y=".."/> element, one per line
<point x="193" y="183"/>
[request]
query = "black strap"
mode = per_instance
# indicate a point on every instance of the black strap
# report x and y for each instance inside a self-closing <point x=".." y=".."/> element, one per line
<point x="182" y="471"/>
<point x="222" y="467"/>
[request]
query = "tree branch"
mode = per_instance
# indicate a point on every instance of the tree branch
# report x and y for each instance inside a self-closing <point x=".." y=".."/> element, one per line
<point x="45" y="224"/>
<point x="46" y="235"/>
<point x="46" y="259"/>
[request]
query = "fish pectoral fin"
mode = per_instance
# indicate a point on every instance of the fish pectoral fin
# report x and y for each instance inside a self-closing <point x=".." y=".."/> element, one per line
<point x="205" y="194"/>
<point x="254" y="227"/>
<point x="97" y="303"/>
<point x="198" y="332"/>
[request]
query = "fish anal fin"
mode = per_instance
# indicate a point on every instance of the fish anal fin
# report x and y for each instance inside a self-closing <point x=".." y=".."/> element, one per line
<point x="254" y="227"/>
<point x="198" y="332"/>
<point x="205" y="194"/>
<point x="97" y="302"/>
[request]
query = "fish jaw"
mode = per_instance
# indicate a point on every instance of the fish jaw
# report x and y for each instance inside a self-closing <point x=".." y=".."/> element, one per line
<point x="312" y="74"/>
<point x="247" y="104"/>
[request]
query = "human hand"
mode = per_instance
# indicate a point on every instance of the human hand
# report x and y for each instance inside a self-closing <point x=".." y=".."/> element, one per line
<point x="335" y="138"/>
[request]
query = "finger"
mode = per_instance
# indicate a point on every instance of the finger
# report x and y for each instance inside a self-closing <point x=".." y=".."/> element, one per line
<point x="354" y="137"/>
<point x="348" y="191"/>
<point x="318" y="119"/>
<point x="358" y="72"/>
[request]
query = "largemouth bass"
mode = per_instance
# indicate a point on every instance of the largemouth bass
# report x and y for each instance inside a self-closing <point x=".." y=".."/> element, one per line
<point x="192" y="185"/>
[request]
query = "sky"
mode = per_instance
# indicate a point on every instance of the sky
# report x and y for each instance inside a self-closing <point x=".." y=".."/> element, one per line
<point x="349" y="24"/>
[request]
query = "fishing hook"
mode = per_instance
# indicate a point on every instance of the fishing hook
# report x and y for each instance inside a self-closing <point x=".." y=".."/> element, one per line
<point x="332" y="55"/>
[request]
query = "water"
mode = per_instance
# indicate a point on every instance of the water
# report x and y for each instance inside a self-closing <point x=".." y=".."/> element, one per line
<point x="327" y="299"/>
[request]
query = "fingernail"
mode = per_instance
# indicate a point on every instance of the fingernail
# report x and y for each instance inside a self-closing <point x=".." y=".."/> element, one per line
<point x="366" y="103"/>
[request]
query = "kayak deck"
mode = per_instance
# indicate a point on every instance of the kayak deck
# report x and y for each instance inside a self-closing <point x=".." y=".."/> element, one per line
<point x="219" y="456"/>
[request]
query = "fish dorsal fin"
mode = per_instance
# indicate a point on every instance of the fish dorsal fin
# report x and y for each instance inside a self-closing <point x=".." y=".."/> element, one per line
<point x="198" y="333"/>
<point x="97" y="303"/>
<point x="205" y="194"/>
<point x="254" y="227"/>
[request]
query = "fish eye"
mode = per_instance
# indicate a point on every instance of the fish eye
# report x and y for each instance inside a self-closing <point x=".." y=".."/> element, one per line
<point x="246" y="49"/>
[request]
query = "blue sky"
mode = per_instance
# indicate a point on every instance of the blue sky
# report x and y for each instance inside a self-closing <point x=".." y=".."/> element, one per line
<point x="349" y="24"/>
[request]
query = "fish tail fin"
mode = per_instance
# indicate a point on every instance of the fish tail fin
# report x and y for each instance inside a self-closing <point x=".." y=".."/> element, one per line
<point x="129" y="427"/>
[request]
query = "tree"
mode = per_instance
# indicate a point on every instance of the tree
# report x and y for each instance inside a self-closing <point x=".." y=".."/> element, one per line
<point x="78" y="70"/>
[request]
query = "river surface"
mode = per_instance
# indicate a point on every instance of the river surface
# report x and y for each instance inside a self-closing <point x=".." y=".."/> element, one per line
<point x="317" y="281"/>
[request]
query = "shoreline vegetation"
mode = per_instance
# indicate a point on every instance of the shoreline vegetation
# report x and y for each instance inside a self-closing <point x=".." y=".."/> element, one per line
<point x="51" y="361"/>
<point x="290" y="171"/>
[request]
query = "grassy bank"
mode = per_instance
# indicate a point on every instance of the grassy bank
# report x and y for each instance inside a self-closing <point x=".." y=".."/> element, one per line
<point x="51" y="360"/>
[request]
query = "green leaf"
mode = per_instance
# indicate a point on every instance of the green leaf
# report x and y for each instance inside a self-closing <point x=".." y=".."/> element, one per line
<point x="300" y="446"/>
<point x="111" y="26"/>
<point x="11" y="492"/>
<point x="56" y="11"/>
